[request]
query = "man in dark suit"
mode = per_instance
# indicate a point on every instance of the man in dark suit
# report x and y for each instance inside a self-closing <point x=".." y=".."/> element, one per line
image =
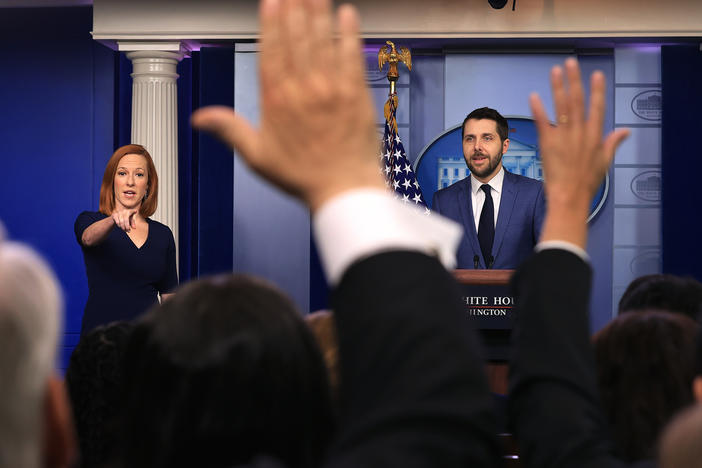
<point x="501" y="212"/>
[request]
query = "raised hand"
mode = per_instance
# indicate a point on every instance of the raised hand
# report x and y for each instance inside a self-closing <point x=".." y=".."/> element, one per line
<point x="574" y="155"/>
<point x="317" y="136"/>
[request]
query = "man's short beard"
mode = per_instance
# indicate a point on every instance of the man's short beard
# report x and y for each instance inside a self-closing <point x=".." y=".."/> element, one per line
<point x="489" y="169"/>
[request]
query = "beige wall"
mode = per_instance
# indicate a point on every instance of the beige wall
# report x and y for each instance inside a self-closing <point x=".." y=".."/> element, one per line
<point x="237" y="19"/>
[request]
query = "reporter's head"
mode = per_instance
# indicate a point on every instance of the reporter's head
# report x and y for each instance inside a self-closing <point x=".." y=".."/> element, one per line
<point x="30" y="317"/>
<point x="223" y="371"/>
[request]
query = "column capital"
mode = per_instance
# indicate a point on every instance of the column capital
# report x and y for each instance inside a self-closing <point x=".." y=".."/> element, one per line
<point x="154" y="60"/>
<point x="175" y="47"/>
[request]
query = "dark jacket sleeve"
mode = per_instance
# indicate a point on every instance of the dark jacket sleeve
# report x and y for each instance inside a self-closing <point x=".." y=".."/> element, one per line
<point x="169" y="281"/>
<point x="554" y="404"/>
<point x="413" y="390"/>
<point x="539" y="213"/>
<point x="83" y="221"/>
<point x="435" y="205"/>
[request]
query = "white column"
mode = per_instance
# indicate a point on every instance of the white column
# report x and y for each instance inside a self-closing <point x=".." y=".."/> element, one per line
<point x="155" y="118"/>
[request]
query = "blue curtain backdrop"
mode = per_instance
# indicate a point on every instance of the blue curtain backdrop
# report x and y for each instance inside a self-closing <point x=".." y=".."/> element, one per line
<point x="681" y="197"/>
<point x="57" y="90"/>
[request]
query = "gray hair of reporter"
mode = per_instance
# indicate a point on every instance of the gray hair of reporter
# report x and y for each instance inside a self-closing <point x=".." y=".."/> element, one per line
<point x="30" y="315"/>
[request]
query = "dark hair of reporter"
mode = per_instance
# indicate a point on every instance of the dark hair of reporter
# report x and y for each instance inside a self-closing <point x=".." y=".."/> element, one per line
<point x="664" y="292"/>
<point x="645" y="366"/>
<point x="224" y="371"/>
<point x="93" y="379"/>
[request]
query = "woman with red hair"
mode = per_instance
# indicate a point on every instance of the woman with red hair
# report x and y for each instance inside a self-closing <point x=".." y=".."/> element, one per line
<point x="129" y="258"/>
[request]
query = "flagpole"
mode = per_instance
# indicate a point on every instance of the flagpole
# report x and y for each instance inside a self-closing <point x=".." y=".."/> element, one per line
<point x="394" y="164"/>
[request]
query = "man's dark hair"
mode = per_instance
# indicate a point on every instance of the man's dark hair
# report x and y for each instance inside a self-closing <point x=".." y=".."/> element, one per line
<point x="645" y="368"/>
<point x="489" y="114"/>
<point x="665" y="292"/>
<point x="222" y="372"/>
<point x="94" y="379"/>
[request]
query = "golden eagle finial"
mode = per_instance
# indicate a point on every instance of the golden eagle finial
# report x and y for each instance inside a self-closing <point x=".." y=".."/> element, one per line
<point x="388" y="54"/>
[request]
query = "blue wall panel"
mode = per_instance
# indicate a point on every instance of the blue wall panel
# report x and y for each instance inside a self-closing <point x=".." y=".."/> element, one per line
<point x="56" y="89"/>
<point x="681" y="197"/>
<point x="271" y="229"/>
<point x="187" y="173"/>
<point x="215" y="167"/>
<point x="426" y="101"/>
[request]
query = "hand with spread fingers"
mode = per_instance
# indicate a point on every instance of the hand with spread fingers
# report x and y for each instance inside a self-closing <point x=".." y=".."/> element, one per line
<point x="317" y="136"/>
<point x="574" y="155"/>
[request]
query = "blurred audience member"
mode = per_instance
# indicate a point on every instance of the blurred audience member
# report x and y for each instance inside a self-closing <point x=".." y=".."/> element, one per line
<point x="663" y="292"/>
<point x="645" y="367"/>
<point x="94" y="378"/>
<point x="223" y="371"/>
<point x="35" y="423"/>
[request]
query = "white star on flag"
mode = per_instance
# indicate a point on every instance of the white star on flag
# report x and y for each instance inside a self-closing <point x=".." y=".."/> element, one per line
<point x="396" y="162"/>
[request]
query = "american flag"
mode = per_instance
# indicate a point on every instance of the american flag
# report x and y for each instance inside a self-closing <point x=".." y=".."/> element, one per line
<point x="398" y="171"/>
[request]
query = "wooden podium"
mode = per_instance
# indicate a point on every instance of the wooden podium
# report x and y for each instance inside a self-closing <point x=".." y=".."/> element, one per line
<point x="489" y="306"/>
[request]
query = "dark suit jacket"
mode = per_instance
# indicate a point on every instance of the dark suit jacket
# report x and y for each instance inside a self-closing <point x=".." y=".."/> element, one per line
<point x="554" y="401"/>
<point x="519" y="220"/>
<point x="413" y="391"/>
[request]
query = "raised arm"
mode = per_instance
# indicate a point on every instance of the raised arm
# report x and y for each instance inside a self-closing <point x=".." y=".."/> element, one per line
<point x="574" y="155"/>
<point x="98" y="231"/>
<point x="413" y="392"/>
<point x="554" y="402"/>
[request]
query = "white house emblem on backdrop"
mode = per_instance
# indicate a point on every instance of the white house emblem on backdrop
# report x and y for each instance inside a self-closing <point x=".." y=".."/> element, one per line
<point x="647" y="186"/>
<point x="648" y="105"/>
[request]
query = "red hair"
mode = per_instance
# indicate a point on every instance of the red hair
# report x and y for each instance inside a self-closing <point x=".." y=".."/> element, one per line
<point x="107" y="190"/>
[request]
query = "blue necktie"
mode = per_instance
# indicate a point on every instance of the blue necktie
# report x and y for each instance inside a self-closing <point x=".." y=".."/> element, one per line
<point x="486" y="226"/>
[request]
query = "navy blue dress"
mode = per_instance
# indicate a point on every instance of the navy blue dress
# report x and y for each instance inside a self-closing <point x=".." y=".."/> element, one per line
<point x="123" y="280"/>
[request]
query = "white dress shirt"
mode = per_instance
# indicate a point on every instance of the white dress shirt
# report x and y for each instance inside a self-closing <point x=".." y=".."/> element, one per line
<point x="361" y="222"/>
<point x="478" y="196"/>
